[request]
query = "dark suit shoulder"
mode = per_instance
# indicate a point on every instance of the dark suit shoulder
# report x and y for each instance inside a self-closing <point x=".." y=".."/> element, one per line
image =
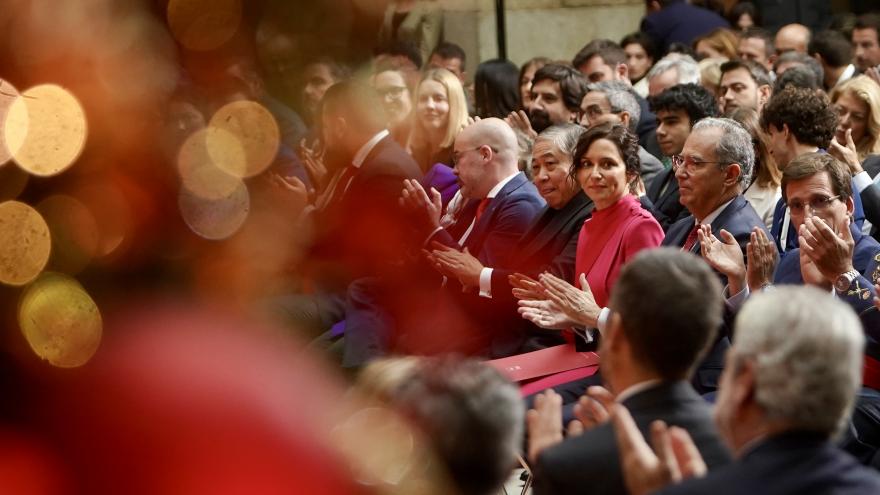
<point x="390" y="159"/>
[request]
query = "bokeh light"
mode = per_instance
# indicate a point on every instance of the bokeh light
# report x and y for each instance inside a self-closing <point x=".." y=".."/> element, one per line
<point x="74" y="230"/>
<point x="199" y="174"/>
<point x="388" y="465"/>
<point x="8" y="94"/>
<point x="60" y="320"/>
<point x="203" y="25"/>
<point x="218" y="218"/>
<point x="112" y="212"/>
<point x="25" y="243"/>
<point x="255" y="131"/>
<point x="45" y="129"/>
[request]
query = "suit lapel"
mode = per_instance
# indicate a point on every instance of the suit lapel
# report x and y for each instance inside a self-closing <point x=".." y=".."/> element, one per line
<point x="482" y="227"/>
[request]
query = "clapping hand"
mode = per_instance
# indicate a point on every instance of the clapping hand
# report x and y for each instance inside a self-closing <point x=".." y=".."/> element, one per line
<point x="525" y="287"/>
<point x="459" y="264"/>
<point x="299" y="194"/>
<point x="724" y="255"/>
<point x="763" y="257"/>
<point x="519" y="121"/>
<point x="829" y="251"/>
<point x="544" y="423"/>
<point x="592" y="409"/>
<point x="416" y="199"/>
<point x="675" y="457"/>
<point x="578" y="305"/>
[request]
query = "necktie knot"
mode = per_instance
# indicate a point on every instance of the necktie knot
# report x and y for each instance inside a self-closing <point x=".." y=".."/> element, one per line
<point x="691" y="238"/>
<point x="484" y="203"/>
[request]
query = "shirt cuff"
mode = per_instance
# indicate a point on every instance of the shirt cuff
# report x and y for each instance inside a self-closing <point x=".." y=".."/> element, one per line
<point x="486" y="282"/>
<point x="602" y="319"/>
<point x="862" y="180"/>
<point x="428" y="239"/>
<point x="736" y="301"/>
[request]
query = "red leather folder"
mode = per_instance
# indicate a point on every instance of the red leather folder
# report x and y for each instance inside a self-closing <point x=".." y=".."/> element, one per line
<point x="539" y="370"/>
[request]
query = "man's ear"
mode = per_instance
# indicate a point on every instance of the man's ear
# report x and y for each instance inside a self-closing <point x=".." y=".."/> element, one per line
<point x="624" y="118"/>
<point x="622" y="71"/>
<point x="764" y="93"/>
<point x="744" y="384"/>
<point x="613" y="334"/>
<point x="732" y="174"/>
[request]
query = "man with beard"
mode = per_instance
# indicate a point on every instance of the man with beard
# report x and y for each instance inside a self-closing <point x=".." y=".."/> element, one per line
<point x="557" y="91"/>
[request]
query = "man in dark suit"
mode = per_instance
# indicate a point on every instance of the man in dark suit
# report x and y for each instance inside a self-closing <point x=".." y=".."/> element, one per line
<point x="549" y="244"/>
<point x="678" y="109"/>
<point x="677" y="21"/>
<point x="775" y="410"/>
<point x="645" y="369"/>
<point x="359" y="229"/>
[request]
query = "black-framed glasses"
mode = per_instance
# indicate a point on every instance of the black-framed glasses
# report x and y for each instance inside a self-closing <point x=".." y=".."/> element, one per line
<point x="690" y="165"/>
<point x="819" y="203"/>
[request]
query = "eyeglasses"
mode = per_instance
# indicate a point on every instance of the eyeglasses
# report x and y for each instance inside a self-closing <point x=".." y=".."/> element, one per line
<point x="392" y="92"/>
<point x="815" y="204"/>
<point x="690" y="165"/>
<point x="456" y="155"/>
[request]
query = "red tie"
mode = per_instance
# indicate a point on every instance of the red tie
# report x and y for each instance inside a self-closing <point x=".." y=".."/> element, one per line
<point x="481" y="208"/>
<point x="691" y="238"/>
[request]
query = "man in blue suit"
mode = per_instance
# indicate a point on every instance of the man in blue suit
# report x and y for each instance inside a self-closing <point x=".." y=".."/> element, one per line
<point x="677" y="21"/>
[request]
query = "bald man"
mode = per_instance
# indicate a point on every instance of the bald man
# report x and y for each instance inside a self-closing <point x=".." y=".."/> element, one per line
<point x="792" y="38"/>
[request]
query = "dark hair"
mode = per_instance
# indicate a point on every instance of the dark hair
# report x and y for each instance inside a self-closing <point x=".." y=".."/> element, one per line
<point x="868" y="21"/>
<point x="742" y="8"/>
<point x="799" y="76"/>
<point x="801" y="59"/>
<point x="537" y="62"/>
<point x="695" y="100"/>
<point x="683" y="48"/>
<point x="757" y="71"/>
<point x="765" y="172"/>
<point x="496" y="88"/>
<point x="572" y="83"/>
<point x="645" y="40"/>
<point x="402" y="48"/>
<point x="690" y="303"/>
<point x="472" y="415"/>
<point x="358" y="102"/>
<point x="626" y="141"/>
<point x="809" y="164"/>
<point x="338" y="70"/>
<point x="610" y="52"/>
<point x="447" y="50"/>
<point x="762" y="34"/>
<point x="808" y="115"/>
<point x="834" y="48"/>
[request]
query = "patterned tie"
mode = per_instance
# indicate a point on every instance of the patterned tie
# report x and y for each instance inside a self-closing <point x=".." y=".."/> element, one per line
<point x="691" y="238"/>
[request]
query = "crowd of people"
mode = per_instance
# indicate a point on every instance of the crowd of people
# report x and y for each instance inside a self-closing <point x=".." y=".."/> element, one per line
<point x="647" y="201"/>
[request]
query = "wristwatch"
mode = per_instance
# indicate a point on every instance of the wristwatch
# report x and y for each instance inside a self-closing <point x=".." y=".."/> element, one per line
<point x="844" y="280"/>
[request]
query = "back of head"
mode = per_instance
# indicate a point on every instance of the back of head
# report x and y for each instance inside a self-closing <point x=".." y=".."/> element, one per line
<point x="761" y="34"/>
<point x="796" y="59"/>
<point x="572" y="84"/>
<point x="473" y="416"/>
<point x="621" y="98"/>
<point x="806" y="348"/>
<point x="734" y="146"/>
<point x="685" y="67"/>
<point x="799" y="76"/>
<point x="357" y="102"/>
<point x="810" y="164"/>
<point x="757" y="71"/>
<point x="808" y="115"/>
<point x="834" y="48"/>
<point x="689" y="307"/>
<point x="403" y="49"/>
<point x="496" y="134"/>
<point x="696" y="101"/>
<point x="610" y="52"/>
<point x="496" y="88"/>
<point x="765" y="173"/>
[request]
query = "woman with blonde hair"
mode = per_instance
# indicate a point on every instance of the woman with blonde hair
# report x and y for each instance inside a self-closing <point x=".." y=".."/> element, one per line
<point x="719" y="42"/>
<point x="858" y="105"/>
<point x="440" y="114"/>
<point x="764" y="191"/>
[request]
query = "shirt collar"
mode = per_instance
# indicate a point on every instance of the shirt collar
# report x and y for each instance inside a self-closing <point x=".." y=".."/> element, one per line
<point x="637" y="389"/>
<point x="847" y="74"/>
<point x="712" y="216"/>
<point x="498" y="187"/>
<point x="365" y="150"/>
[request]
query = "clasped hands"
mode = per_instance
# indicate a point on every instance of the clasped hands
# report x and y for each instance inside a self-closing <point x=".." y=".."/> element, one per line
<point x="553" y="303"/>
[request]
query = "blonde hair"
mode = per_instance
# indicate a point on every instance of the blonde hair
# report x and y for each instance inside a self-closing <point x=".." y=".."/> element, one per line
<point x="867" y="91"/>
<point x="721" y="40"/>
<point x="458" y="111"/>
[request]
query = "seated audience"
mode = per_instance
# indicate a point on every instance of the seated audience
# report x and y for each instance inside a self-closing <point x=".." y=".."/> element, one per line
<point x="764" y="192"/>
<point x="787" y="389"/>
<point x="496" y="88"/>
<point x="557" y="91"/>
<point x="743" y="84"/>
<point x="397" y="100"/>
<point x="643" y="368"/>
<point x="756" y="44"/>
<point x="670" y="71"/>
<point x="641" y="53"/>
<point x="441" y="113"/>
<point x="526" y="74"/>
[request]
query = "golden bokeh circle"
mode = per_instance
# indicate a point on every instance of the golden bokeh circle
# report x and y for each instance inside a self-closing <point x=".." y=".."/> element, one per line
<point x="255" y="131"/>
<point x="8" y="95"/>
<point x="45" y="130"/>
<point x="25" y="243"/>
<point x="215" y="219"/>
<point x="199" y="174"/>
<point x="203" y="25"/>
<point x="60" y="321"/>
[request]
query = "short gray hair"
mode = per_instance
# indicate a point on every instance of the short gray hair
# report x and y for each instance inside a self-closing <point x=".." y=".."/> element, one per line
<point x="621" y="97"/>
<point x="806" y="347"/>
<point x="735" y="146"/>
<point x="685" y="66"/>
<point x="563" y="136"/>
